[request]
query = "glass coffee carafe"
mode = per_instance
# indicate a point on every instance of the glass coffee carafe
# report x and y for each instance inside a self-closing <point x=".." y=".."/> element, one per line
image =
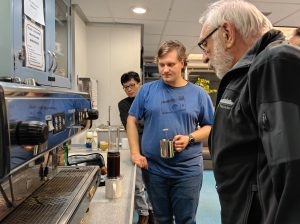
<point x="113" y="183"/>
<point x="113" y="154"/>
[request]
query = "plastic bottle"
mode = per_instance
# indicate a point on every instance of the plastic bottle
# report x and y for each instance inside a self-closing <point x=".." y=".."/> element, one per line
<point x="89" y="139"/>
<point x="95" y="140"/>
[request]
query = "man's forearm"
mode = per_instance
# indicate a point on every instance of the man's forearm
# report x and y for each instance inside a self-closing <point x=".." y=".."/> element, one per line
<point x="133" y="136"/>
<point x="202" y="133"/>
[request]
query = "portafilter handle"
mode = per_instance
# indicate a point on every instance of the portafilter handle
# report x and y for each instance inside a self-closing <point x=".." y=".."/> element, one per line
<point x="29" y="132"/>
<point x="93" y="114"/>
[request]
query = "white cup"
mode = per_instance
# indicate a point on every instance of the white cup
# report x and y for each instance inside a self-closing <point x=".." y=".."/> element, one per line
<point x="125" y="144"/>
<point x="113" y="188"/>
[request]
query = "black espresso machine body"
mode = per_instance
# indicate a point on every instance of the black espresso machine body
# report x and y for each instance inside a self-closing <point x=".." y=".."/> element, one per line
<point x="33" y="122"/>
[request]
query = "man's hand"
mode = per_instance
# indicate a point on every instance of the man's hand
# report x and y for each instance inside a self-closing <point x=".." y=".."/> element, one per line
<point x="140" y="161"/>
<point x="180" y="142"/>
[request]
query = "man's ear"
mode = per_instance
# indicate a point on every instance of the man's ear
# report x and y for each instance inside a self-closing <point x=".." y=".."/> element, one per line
<point x="229" y="34"/>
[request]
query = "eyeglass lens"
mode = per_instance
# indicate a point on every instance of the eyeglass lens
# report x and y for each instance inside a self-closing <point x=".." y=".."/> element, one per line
<point x="129" y="86"/>
<point x="203" y="43"/>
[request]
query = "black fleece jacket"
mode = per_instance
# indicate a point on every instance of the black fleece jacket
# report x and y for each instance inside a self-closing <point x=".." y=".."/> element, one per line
<point x="255" y="140"/>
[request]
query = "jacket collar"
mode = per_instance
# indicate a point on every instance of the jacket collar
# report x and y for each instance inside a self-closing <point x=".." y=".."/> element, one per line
<point x="246" y="61"/>
<point x="262" y="43"/>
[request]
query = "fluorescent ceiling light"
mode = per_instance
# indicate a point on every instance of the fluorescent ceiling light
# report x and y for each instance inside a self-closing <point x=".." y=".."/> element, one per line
<point x="139" y="10"/>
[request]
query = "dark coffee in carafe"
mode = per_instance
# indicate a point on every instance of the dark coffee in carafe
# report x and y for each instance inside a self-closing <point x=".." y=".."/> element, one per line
<point x="113" y="164"/>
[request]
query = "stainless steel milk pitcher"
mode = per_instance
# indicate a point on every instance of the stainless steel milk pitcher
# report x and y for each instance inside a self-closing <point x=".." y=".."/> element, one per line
<point x="166" y="146"/>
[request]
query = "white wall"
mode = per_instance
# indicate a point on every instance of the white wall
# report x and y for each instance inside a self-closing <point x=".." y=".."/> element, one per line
<point x="104" y="52"/>
<point x="112" y="49"/>
<point x="80" y="45"/>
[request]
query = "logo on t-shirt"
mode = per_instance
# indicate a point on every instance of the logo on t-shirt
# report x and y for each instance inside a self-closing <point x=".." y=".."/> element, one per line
<point x="173" y="105"/>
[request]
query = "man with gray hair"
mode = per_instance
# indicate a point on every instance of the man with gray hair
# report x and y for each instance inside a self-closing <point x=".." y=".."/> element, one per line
<point x="255" y="139"/>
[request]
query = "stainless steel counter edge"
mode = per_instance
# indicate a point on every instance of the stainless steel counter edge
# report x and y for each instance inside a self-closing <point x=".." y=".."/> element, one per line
<point x="132" y="195"/>
<point x="113" y="211"/>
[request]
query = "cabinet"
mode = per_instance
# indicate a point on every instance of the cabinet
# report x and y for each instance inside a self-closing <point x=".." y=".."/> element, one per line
<point x="31" y="48"/>
<point x="150" y="72"/>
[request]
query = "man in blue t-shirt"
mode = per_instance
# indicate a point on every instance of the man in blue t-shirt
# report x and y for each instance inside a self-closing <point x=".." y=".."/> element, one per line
<point x="186" y="111"/>
<point x="131" y="83"/>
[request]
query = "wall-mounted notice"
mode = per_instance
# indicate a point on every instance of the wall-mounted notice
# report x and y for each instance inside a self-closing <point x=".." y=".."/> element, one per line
<point x="34" y="45"/>
<point x="94" y="93"/>
<point x="35" y="10"/>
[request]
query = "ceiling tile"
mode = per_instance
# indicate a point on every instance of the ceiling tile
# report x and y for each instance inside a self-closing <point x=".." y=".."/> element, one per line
<point x="184" y="39"/>
<point x="292" y="21"/>
<point x="189" y="42"/>
<point x="182" y="28"/>
<point x="176" y="19"/>
<point x="188" y="10"/>
<point x="93" y="8"/>
<point x="276" y="1"/>
<point x="150" y="26"/>
<point x="150" y="39"/>
<point x="156" y="9"/>
<point x="278" y="10"/>
<point x="100" y="19"/>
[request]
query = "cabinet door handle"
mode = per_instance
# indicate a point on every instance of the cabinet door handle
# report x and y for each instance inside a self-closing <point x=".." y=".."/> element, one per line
<point x="51" y="61"/>
<point x="22" y="54"/>
<point x="54" y="57"/>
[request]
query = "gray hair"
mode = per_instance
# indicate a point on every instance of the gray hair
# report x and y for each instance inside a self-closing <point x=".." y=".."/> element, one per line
<point x="247" y="19"/>
<point x="169" y="45"/>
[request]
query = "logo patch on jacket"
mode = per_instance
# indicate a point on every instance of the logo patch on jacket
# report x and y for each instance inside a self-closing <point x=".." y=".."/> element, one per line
<point x="226" y="104"/>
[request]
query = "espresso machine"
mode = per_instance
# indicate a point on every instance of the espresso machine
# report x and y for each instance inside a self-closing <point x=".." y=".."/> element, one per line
<point x="34" y="122"/>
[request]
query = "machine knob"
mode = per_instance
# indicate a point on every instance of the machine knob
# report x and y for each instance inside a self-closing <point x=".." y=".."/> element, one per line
<point x="93" y="114"/>
<point x="31" y="133"/>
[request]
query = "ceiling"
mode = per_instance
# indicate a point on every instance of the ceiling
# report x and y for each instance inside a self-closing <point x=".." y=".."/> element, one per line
<point x="176" y="19"/>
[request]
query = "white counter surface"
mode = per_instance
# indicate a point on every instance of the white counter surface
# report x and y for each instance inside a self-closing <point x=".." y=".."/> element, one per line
<point x="112" y="211"/>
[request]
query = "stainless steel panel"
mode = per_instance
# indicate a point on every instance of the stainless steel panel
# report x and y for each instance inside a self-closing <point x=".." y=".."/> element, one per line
<point x="58" y="199"/>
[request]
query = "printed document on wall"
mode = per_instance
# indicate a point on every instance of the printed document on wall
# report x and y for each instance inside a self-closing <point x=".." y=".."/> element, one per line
<point x="35" y="10"/>
<point x="34" y="45"/>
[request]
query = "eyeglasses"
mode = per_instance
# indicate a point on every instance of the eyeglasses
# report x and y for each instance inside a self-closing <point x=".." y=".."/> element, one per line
<point x="131" y="85"/>
<point x="203" y="43"/>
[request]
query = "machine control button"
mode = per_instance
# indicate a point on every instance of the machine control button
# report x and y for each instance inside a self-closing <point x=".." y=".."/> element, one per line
<point x="59" y="122"/>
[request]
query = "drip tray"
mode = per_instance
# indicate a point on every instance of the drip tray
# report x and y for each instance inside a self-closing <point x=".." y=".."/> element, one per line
<point x="57" y="199"/>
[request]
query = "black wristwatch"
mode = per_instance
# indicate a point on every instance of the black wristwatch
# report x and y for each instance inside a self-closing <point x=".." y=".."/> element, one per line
<point x="191" y="140"/>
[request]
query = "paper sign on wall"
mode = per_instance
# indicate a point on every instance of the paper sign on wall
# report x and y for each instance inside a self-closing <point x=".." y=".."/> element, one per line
<point x="35" y="10"/>
<point x="34" y="45"/>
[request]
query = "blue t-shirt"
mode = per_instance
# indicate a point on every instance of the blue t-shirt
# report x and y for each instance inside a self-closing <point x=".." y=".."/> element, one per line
<point x="179" y="109"/>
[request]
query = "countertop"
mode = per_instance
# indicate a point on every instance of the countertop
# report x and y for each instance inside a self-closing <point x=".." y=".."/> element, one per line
<point x="112" y="211"/>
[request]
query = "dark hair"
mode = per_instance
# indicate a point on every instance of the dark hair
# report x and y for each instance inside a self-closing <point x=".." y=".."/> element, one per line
<point x="130" y="75"/>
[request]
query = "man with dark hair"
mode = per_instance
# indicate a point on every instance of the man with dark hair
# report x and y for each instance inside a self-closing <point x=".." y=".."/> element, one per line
<point x="131" y="83"/>
<point x="254" y="142"/>
<point x="295" y="38"/>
